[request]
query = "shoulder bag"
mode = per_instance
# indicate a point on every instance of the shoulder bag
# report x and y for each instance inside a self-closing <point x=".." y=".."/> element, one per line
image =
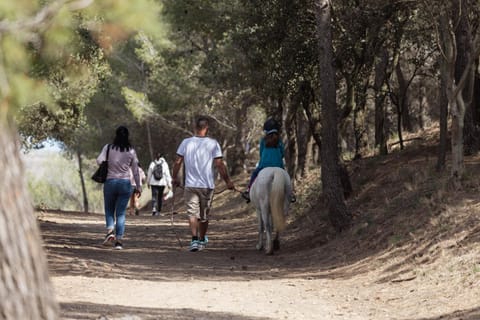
<point x="101" y="174"/>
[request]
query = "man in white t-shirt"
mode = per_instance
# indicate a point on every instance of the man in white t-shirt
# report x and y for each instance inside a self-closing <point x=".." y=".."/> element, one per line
<point x="200" y="154"/>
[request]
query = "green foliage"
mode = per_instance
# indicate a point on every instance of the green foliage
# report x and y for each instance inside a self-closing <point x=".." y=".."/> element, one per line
<point x="137" y="103"/>
<point x="53" y="182"/>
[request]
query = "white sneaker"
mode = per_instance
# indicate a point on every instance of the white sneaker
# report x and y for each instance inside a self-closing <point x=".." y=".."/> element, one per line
<point x="194" y="246"/>
<point x="202" y="244"/>
<point x="109" y="238"/>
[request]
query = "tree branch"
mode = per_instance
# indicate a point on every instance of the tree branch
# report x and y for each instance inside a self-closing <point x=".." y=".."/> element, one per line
<point x="43" y="16"/>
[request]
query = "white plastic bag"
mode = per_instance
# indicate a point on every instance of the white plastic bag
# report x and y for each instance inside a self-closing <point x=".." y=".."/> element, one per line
<point x="168" y="195"/>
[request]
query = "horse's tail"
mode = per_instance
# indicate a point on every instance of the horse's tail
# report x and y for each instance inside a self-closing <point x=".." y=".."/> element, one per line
<point x="277" y="200"/>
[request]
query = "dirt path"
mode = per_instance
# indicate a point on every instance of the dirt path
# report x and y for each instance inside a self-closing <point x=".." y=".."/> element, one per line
<point x="155" y="278"/>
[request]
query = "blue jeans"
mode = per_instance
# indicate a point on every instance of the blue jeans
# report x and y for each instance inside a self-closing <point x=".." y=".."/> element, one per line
<point x="116" y="193"/>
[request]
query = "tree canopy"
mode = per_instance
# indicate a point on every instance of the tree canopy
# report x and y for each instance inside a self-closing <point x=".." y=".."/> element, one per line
<point x="75" y="69"/>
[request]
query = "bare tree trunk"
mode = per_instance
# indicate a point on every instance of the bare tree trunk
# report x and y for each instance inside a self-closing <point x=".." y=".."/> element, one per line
<point x="238" y="156"/>
<point x="403" y="101"/>
<point x="457" y="109"/>
<point x="149" y="138"/>
<point x="291" y="141"/>
<point x="455" y="99"/>
<point x="380" y="93"/>
<point x="443" y="102"/>
<point x="338" y="213"/>
<point x="463" y="39"/>
<point x="25" y="292"/>
<point x="359" y="122"/>
<point x="82" y="181"/>
<point x="303" y="136"/>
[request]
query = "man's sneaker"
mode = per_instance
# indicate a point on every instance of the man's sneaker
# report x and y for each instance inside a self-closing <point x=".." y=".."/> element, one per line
<point x="118" y="245"/>
<point x="194" y="246"/>
<point x="246" y="195"/>
<point x="109" y="238"/>
<point x="202" y="244"/>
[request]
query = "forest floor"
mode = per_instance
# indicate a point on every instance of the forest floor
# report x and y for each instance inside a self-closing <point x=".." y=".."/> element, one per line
<point x="412" y="253"/>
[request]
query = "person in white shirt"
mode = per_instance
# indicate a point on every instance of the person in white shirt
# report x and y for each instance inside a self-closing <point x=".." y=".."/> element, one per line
<point x="200" y="154"/>
<point x="158" y="185"/>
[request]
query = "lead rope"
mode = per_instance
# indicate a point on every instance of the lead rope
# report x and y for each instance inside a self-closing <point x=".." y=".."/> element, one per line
<point x="172" y="212"/>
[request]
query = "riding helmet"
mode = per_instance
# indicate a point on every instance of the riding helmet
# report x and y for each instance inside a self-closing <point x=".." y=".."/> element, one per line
<point x="271" y="126"/>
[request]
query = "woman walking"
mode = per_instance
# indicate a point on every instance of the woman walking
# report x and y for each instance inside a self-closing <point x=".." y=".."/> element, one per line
<point x="117" y="189"/>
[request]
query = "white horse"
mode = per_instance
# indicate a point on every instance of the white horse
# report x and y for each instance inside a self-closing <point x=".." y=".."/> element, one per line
<point x="270" y="194"/>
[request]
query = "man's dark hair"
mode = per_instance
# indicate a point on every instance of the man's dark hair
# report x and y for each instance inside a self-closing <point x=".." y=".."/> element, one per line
<point x="202" y="123"/>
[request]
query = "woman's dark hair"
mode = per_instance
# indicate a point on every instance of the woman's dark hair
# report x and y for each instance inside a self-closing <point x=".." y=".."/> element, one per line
<point x="121" y="139"/>
<point x="272" y="140"/>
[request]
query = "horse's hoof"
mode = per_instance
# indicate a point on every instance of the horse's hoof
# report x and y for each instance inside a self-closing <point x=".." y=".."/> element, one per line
<point x="259" y="247"/>
<point x="276" y="244"/>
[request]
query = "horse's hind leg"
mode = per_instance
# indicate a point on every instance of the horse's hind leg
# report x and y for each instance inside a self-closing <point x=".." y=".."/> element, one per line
<point x="268" y="234"/>
<point x="260" y="232"/>
<point x="276" y="242"/>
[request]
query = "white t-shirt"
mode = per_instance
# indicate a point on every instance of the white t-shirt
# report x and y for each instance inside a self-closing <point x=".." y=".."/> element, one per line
<point x="198" y="154"/>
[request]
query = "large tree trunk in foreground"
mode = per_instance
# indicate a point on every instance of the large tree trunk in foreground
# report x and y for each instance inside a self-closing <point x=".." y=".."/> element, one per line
<point x="338" y="213"/>
<point x="25" y="290"/>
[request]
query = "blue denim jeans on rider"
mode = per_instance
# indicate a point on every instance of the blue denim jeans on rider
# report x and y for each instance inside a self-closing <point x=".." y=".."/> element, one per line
<point x="116" y="193"/>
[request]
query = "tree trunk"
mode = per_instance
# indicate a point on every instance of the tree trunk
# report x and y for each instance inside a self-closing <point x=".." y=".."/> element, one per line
<point x="338" y="213"/>
<point x="443" y="102"/>
<point x="25" y="292"/>
<point x="291" y="141"/>
<point x="303" y="136"/>
<point x="457" y="109"/>
<point x="149" y="138"/>
<point x="359" y="122"/>
<point x="455" y="100"/>
<point x="238" y="156"/>
<point x="463" y="39"/>
<point x="403" y="103"/>
<point x="399" y="125"/>
<point x="380" y="88"/>
<point x="82" y="181"/>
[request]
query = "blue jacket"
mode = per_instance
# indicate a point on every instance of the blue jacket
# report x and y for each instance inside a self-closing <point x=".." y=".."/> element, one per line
<point x="271" y="157"/>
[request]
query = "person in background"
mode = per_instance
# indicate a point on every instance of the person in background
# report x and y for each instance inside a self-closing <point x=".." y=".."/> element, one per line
<point x="158" y="178"/>
<point x="117" y="188"/>
<point x="200" y="154"/>
<point x="272" y="152"/>
<point x="134" y="206"/>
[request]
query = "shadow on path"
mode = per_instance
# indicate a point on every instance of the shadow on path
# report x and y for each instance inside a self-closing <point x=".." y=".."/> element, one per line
<point x="80" y="311"/>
